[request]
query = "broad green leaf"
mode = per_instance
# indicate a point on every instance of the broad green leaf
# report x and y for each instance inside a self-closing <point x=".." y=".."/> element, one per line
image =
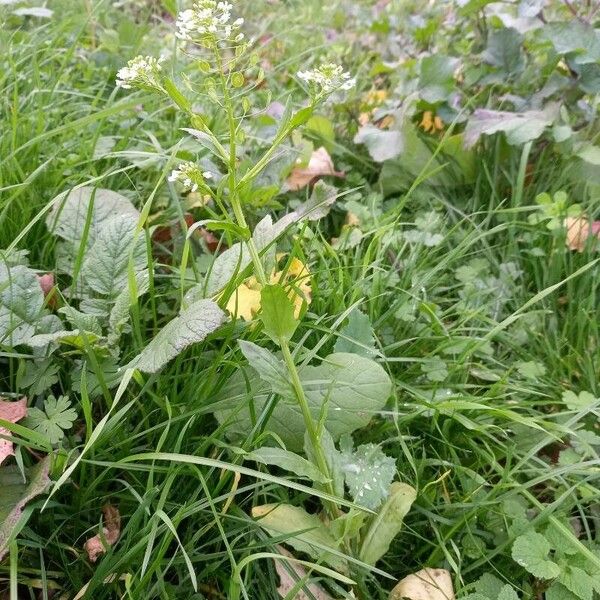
<point x="289" y="461"/>
<point x="578" y="582"/>
<point x="557" y="591"/>
<point x="579" y="401"/>
<point x="68" y="217"/>
<point x="575" y="38"/>
<point x="519" y="127"/>
<point x="277" y="313"/>
<point x="105" y="269"/>
<point x="357" y="336"/>
<point x="435" y="369"/>
<point x="489" y="585"/>
<point x="531" y="369"/>
<point x="531" y="550"/>
<point x="16" y="494"/>
<point x="307" y="533"/>
<point x="318" y="205"/>
<point x="270" y="369"/>
<point x="75" y="338"/>
<point x="504" y="50"/>
<point x="590" y="154"/>
<point x="190" y="327"/>
<point x="436" y="78"/>
<point x="354" y="388"/>
<point x="368" y="473"/>
<point x="53" y="420"/>
<point x="81" y="321"/>
<point x="21" y="304"/>
<point x="119" y="313"/>
<point x="508" y="593"/>
<point x="387" y="523"/>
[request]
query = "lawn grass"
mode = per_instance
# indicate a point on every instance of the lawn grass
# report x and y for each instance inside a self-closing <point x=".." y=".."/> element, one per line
<point x="469" y="427"/>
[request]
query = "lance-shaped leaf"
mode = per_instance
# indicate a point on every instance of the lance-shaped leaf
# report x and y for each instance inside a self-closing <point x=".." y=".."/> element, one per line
<point x="190" y="327"/>
<point x="387" y="523"/>
<point x="16" y="494"/>
<point x="289" y="461"/>
<point x="270" y="369"/>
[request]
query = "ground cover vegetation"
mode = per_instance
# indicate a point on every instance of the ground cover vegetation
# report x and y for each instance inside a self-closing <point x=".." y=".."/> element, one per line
<point x="299" y="299"/>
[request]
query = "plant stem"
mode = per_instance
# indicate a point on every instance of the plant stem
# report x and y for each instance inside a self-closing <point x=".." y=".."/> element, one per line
<point x="308" y="421"/>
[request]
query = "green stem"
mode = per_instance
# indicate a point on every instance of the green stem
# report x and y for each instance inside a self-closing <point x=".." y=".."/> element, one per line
<point x="308" y="422"/>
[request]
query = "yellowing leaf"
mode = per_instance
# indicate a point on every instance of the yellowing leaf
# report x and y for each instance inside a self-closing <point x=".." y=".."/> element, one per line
<point x="426" y="584"/>
<point x="431" y="123"/>
<point x="11" y="412"/>
<point x="244" y="302"/>
<point x="320" y="164"/>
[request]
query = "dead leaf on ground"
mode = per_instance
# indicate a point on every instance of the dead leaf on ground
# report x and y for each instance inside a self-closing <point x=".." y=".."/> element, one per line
<point x="579" y="229"/>
<point x="287" y="580"/>
<point x="11" y="412"/>
<point x="320" y="164"/>
<point x="426" y="584"/>
<point x="110" y="532"/>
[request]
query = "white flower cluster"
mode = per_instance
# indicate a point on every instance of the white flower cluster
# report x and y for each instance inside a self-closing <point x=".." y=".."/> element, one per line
<point x="142" y="72"/>
<point x="189" y="175"/>
<point x="327" y="78"/>
<point x="208" y="21"/>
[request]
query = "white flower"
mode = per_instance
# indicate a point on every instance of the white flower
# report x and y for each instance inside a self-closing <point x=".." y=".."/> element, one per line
<point x="208" y="22"/>
<point x="189" y="175"/>
<point x="142" y="72"/>
<point x="327" y="78"/>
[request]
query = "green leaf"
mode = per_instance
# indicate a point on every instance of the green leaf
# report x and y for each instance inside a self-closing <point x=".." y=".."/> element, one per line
<point x="557" y="591"/>
<point x="318" y="205"/>
<point x="277" y="313"/>
<point x="519" y="127"/>
<point x="333" y="458"/>
<point x="530" y="550"/>
<point x="578" y="582"/>
<point x="489" y="585"/>
<point x="190" y="327"/>
<point x="354" y="388"/>
<point x="508" y="593"/>
<point x="287" y="460"/>
<point x="269" y="368"/>
<point x="531" y="369"/>
<point x="67" y="218"/>
<point x="53" y="420"/>
<point x="382" y="144"/>
<point x="575" y="38"/>
<point x="304" y="532"/>
<point x="590" y="154"/>
<point x="357" y="336"/>
<point x="387" y="523"/>
<point x="16" y="494"/>
<point x="81" y="321"/>
<point x="369" y="473"/>
<point x="105" y="269"/>
<point x="119" y="313"/>
<point x="436" y="78"/>
<point x="21" y="304"/>
<point x="579" y="401"/>
<point x="504" y="50"/>
<point x="435" y="369"/>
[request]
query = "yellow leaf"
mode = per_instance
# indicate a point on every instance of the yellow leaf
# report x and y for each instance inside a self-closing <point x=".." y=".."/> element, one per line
<point x="427" y="584"/>
<point x="244" y="302"/>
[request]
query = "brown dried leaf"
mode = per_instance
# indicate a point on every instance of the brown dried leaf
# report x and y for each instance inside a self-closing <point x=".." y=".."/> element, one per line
<point x="287" y="581"/>
<point x="320" y="164"/>
<point x="426" y="584"/>
<point x="579" y="229"/>
<point x="94" y="546"/>
<point x="11" y="412"/>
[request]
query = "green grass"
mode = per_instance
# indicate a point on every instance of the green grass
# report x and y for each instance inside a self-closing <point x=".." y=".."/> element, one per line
<point x="474" y="445"/>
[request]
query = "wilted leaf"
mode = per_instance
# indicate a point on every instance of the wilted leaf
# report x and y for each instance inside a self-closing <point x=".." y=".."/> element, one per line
<point x="319" y="165"/>
<point x="16" y="494"/>
<point x="11" y="412"/>
<point x="579" y="230"/>
<point x="292" y="572"/>
<point x="426" y="584"/>
<point x="307" y="533"/>
<point x="519" y="127"/>
<point x="111" y="530"/>
<point x="190" y="327"/>
<point x="387" y="523"/>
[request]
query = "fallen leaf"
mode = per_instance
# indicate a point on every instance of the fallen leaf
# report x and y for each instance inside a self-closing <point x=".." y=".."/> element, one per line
<point x="579" y="229"/>
<point x="287" y="580"/>
<point x="320" y="164"/>
<point x="94" y="546"/>
<point x="245" y="301"/>
<point x="11" y="412"/>
<point x="426" y="584"/>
